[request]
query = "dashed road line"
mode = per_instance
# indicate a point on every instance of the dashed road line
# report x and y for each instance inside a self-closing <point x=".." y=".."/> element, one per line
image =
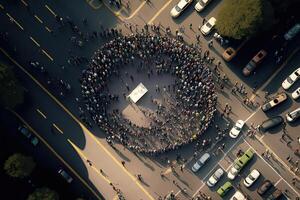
<point x="278" y="182"/>
<point x="136" y="11"/>
<point x="48" y="29"/>
<point x="258" y="109"/>
<point x="34" y="41"/>
<point x="1" y="6"/>
<point x="158" y="13"/>
<point x="41" y="113"/>
<point x="39" y="19"/>
<point x="50" y="10"/>
<point x="24" y="2"/>
<point x="57" y="128"/>
<point x="44" y="52"/>
<point x="15" y="21"/>
<point x="177" y="193"/>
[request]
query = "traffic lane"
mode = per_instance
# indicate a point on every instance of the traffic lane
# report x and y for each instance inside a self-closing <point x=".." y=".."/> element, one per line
<point x="40" y="152"/>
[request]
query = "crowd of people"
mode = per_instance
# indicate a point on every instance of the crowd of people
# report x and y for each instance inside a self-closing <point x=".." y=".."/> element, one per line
<point x="187" y="107"/>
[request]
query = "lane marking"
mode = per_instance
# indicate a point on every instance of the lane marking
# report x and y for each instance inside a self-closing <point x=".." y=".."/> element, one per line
<point x="136" y="11"/>
<point x="57" y="128"/>
<point x="158" y="13"/>
<point x="1" y="6"/>
<point x="56" y="154"/>
<point x="252" y="114"/>
<point x="48" y="29"/>
<point x="44" y="52"/>
<point x="177" y="193"/>
<point x="278" y="182"/>
<point x="25" y="4"/>
<point x="15" y="21"/>
<point x="41" y="113"/>
<point x="218" y="163"/>
<point x="132" y="177"/>
<point x="34" y="41"/>
<point x="272" y="167"/>
<point x="50" y="10"/>
<point x="39" y="19"/>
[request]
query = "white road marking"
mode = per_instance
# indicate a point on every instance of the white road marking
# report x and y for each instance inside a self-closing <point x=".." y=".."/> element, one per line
<point x="278" y="182"/>
<point x="177" y="193"/>
<point x="273" y="169"/>
<point x="252" y="114"/>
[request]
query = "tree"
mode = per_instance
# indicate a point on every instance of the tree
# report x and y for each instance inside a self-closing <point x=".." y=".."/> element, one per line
<point x="19" y="166"/>
<point x="43" y="193"/>
<point x="11" y="92"/>
<point x="240" y="19"/>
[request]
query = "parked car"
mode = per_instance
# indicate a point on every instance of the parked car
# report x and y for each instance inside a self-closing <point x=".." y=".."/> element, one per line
<point x="292" y="32"/>
<point x="65" y="175"/>
<point x="296" y="93"/>
<point x="239" y="163"/>
<point x="204" y="158"/>
<point x="222" y="191"/>
<point x="201" y="5"/>
<point x="277" y="194"/>
<point x="229" y="53"/>
<point x="212" y="181"/>
<point x="254" y="62"/>
<point x="289" y="81"/>
<point x="292" y="116"/>
<point x="208" y="26"/>
<point x="264" y="187"/>
<point x="236" y="129"/>
<point x="238" y="196"/>
<point x="24" y="130"/>
<point x="274" y="102"/>
<point x="270" y="123"/>
<point x="251" y="178"/>
<point x="181" y="6"/>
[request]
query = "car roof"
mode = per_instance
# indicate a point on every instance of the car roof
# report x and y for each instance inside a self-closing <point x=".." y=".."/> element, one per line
<point x="204" y="157"/>
<point x="182" y="3"/>
<point x="259" y="56"/>
<point x="271" y="122"/>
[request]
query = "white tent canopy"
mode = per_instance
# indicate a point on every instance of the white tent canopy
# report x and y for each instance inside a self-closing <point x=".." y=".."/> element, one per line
<point x="137" y="93"/>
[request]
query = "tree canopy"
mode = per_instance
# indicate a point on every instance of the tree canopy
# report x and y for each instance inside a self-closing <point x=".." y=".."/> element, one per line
<point x="19" y="166"/>
<point x="11" y="92"/>
<point x="240" y="19"/>
<point x="43" y="193"/>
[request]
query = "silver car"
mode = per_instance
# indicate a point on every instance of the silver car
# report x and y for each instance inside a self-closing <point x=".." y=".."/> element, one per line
<point x="204" y="158"/>
<point x="212" y="181"/>
<point x="65" y="175"/>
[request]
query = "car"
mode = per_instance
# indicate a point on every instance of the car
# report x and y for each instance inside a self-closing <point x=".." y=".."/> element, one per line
<point x="292" y="32"/>
<point x="254" y="62"/>
<point x="274" y="102"/>
<point x="229" y="54"/>
<point x="296" y="93"/>
<point x="264" y="187"/>
<point x="204" y="158"/>
<point x="208" y="26"/>
<point x="270" y="123"/>
<point x="239" y="163"/>
<point x="212" y="181"/>
<point x="289" y="81"/>
<point x="236" y="129"/>
<point x="292" y="116"/>
<point x="201" y="4"/>
<point x="65" y="175"/>
<point x="277" y="194"/>
<point x="24" y="130"/>
<point x="251" y="178"/>
<point x="180" y="7"/>
<point x="238" y="195"/>
<point x="222" y="191"/>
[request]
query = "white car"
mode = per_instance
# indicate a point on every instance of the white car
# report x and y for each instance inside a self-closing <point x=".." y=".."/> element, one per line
<point x="182" y="5"/>
<point x="236" y="129"/>
<point x="292" y="116"/>
<point x="287" y="83"/>
<point x="251" y="178"/>
<point x="201" y="5"/>
<point x="204" y="158"/>
<point x="215" y="177"/>
<point x="296" y="93"/>
<point x="238" y="196"/>
<point x="208" y="26"/>
<point x="234" y="170"/>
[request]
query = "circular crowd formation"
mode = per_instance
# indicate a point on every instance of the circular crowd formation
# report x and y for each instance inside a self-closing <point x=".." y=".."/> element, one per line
<point x="187" y="106"/>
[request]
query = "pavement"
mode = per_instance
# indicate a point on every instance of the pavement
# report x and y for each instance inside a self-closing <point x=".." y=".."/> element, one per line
<point x="35" y="35"/>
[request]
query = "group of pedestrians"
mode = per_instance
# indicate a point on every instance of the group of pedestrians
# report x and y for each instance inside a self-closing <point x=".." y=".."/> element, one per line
<point x="187" y="107"/>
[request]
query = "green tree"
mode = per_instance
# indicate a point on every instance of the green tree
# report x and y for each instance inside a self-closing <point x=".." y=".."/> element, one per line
<point x="19" y="166"/>
<point x="240" y="19"/>
<point x="43" y="193"/>
<point x="11" y="92"/>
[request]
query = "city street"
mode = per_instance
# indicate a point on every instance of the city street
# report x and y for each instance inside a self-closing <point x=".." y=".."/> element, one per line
<point x="34" y="33"/>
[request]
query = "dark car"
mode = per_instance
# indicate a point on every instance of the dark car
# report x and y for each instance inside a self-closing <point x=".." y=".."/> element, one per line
<point x="264" y="187"/>
<point x="254" y="62"/>
<point x="270" y="123"/>
<point x="275" y="195"/>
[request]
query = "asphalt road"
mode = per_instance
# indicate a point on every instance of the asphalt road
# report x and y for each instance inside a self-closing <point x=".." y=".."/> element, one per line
<point x="29" y="39"/>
